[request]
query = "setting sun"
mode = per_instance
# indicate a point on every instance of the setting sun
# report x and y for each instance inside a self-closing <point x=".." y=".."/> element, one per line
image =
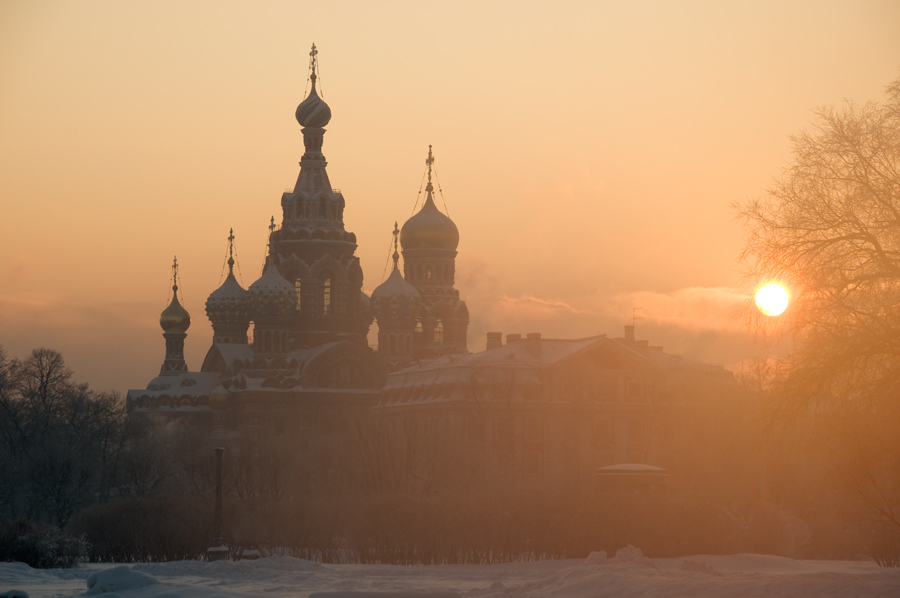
<point x="772" y="299"/>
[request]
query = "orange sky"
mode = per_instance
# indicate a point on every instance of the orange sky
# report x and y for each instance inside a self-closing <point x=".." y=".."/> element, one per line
<point x="587" y="151"/>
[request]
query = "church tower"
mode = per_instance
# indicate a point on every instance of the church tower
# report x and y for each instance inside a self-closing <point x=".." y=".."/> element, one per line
<point x="174" y="320"/>
<point x="396" y="304"/>
<point x="429" y="240"/>
<point x="312" y="250"/>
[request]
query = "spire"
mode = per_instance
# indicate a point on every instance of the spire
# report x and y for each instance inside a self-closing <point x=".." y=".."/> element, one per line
<point x="231" y="251"/>
<point x="313" y="111"/>
<point x="429" y="161"/>
<point x="396" y="255"/>
<point x="175" y="277"/>
<point x="313" y="63"/>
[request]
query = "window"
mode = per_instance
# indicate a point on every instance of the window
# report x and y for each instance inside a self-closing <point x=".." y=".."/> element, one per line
<point x="531" y="429"/>
<point x="503" y="430"/>
<point x="326" y="297"/>
<point x="419" y="327"/>
<point x="393" y="345"/>
<point x="635" y="390"/>
<point x="635" y="430"/>
<point x="297" y="286"/>
<point x="533" y="465"/>
<point x="602" y="432"/>
<point x="439" y="332"/>
<point x="427" y="272"/>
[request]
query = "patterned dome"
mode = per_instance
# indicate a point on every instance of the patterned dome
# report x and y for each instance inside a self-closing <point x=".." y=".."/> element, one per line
<point x="429" y="229"/>
<point x="395" y="299"/>
<point x="175" y="318"/>
<point x="313" y="111"/>
<point x="271" y="295"/>
<point x="229" y="303"/>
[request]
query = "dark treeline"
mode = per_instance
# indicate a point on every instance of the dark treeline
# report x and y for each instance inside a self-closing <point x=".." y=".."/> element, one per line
<point x="82" y="481"/>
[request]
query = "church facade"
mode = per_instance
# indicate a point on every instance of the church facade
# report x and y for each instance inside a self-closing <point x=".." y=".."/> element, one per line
<point x="530" y="409"/>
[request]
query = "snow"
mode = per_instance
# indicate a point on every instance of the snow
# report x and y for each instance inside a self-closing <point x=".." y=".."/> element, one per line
<point x="628" y="573"/>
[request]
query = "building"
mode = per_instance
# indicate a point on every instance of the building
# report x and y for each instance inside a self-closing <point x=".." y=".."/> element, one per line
<point x="532" y="409"/>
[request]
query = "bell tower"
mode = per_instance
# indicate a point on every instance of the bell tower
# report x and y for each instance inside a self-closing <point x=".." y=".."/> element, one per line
<point x="312" y="249"/>
<point x="429" y="240"/>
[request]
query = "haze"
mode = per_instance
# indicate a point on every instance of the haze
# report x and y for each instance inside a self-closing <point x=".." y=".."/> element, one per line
<point x="587" y="152"/>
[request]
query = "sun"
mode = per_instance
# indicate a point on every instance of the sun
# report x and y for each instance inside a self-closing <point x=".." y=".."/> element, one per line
<point x="772" y="299"/>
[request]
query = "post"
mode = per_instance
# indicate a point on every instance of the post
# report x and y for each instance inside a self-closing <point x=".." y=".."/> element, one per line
<point x="218" y="550"/>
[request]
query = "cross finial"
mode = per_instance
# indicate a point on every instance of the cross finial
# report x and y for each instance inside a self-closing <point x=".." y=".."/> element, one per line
<point x="396" y="255"/>
<point x="428" y="162"/>
<point x="230" y="250"/>
<point x="272" y="225"/>
<point x="175" y="273"/>
<point x="312" y="63"/>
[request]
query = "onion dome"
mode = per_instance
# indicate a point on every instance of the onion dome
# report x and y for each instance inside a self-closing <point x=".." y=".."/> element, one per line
<point x="313" y="111"/>
<point x="175" y="318"/>
<point x="396" y="299"/>
<point x="429" y="228"/>
<point x="230" y="302"/>
<point x="271" y="295"/>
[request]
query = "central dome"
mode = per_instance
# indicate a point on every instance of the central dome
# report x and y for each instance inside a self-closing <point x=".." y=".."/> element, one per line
<point x="429" y="229"/>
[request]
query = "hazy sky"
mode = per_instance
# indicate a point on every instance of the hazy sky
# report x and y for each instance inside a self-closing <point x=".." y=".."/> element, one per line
<point x="588" y="152"/>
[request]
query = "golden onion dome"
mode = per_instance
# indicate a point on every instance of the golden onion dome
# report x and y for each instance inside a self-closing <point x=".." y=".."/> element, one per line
<point x="429" y="229"/>
<point x="175" y="318"/>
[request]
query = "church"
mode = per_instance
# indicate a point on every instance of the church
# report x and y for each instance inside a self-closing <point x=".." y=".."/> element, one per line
<point x="528" y="410"/>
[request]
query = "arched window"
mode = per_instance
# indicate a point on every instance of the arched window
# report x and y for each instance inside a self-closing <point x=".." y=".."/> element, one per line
<point x="427" y="272"/>
<point x="439" y="332"/>
<point x="419" y="327"/>
<point x="326" y="297"/>
<point x="393" y="350"/>
<point x="418" y="271"/>
<point x="322" y="207"/>
<point x="297" y="286"/>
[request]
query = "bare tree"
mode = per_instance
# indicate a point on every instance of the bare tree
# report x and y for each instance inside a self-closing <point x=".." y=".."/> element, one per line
<point x="829" y="229"/>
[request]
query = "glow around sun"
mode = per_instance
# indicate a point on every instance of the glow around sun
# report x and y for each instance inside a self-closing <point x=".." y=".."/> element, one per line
<point x="772" y="299"/>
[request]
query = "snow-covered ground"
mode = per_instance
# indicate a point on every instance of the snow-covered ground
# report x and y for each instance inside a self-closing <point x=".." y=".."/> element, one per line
<point x="626" y="574"/>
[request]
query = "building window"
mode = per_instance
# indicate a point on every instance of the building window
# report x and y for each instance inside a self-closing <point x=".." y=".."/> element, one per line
<point x="393" y="349"/>
<point x="531" y="430"/>
<point x="635" y="430"/>
<point x="427" y="272"/>
<point x="297" y="286"/>
<point x="602" y="433"/>
<point x="503" y="430"/>
<point x="326" y="297"/>
<point x="533" y="465"/>
<point x="439" y="332"/>
<point x="635" y="390"/>
<point x="419" y="327"/>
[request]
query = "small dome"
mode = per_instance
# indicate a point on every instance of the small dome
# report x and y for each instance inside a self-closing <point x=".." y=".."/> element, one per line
<point x="228" y="303"/>
<point x="429" y="229"/>
<point x="175" y="318"/>
<point x="395" y="299"/>
<point x="272" y="295"/>
<point x="313" y="111"/>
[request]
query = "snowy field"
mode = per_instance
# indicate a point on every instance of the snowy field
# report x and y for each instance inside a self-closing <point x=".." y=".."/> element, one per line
<point x="626" y="574"/>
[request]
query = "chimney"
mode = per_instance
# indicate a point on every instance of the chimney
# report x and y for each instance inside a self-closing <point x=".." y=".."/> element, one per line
<point x="533" y="343"/>
<point x="494" y="340"/>
<point x="629" y="333"/>
<point x="511" y="338"/>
